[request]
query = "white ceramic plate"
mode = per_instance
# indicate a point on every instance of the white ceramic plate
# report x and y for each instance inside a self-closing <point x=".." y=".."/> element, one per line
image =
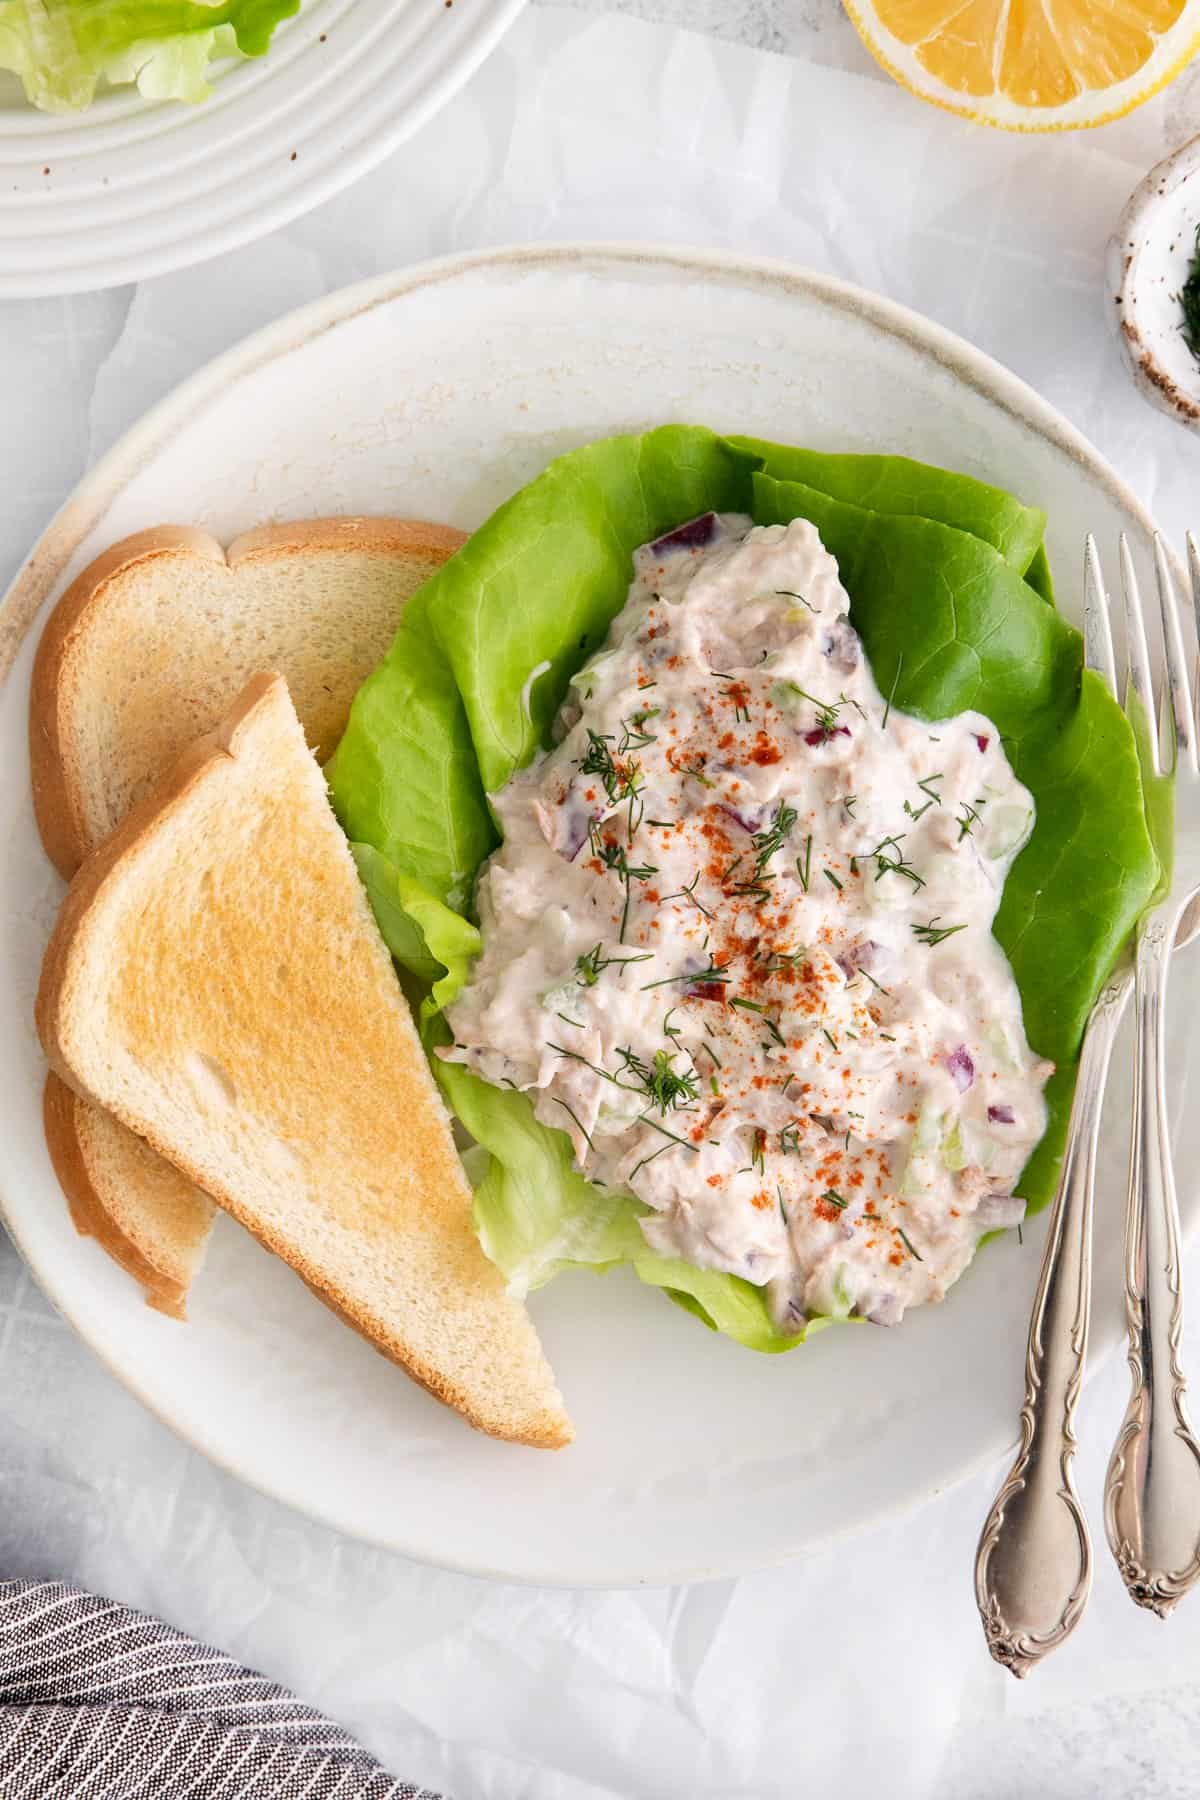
<point x="130" y="189"/>
<point x="436" y="393"/>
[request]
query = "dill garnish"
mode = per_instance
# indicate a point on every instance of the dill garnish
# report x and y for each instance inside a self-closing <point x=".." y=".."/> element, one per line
<point x="932" y="797"/>
<point x="887" y="711"/>
<point x="701" y="977"/>
<point x="598" y="759"/>
<point x="933" y="933"/>
<point x="766" y="843"/>
<point x="645" y="1119"/>
<point x="1189" y="300"/>
<point x="909" y="1246"/>
<point x="661" y="1151"/>
<point x="688" y="892"/>
<point x="634" y="736"/>
<point x="666" y="1086"/>
<point x="591" y="966"/>
<point x="803" y="872"/>
<point x="613" y="857"/>
<point x="596" y="1068"/>
<point x="967" y="823"/>
<point x="586" y="1135"/>
<point x="827" y="711"/>
<point x="890" y="860"/>
<point x="833" y="1198"/>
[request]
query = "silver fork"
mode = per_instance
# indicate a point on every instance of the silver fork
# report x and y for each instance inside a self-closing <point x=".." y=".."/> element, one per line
<point x="1152" y="1492"/>
<point x="1033" y="1567"/>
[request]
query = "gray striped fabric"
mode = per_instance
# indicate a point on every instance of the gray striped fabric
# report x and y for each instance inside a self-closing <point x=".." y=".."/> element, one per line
<point x="101" y="1701"/>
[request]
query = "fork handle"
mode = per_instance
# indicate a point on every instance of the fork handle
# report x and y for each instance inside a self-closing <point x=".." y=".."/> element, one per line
<point x="1152" y="1493"/>
<point x="1033" y="1568"/>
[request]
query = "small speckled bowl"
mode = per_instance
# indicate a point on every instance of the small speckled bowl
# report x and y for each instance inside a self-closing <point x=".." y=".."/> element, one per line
<point x="1149" y="256"/>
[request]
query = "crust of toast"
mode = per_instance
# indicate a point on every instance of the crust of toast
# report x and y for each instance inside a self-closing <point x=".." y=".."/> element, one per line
<point x="54" y="751"/>
<point x="65" y="1003"/>
<point x="152" y="1221"/>
<point x="64" y="1140"/>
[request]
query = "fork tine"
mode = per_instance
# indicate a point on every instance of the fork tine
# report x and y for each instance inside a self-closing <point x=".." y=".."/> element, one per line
<point x="1193" y="556"/>
<point x="1139" y="685"/>
<point x="1179" y="712"/>
<point x="1097" y="629"/>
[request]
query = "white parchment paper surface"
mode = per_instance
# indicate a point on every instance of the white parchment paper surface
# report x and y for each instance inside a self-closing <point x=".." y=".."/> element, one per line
<point x="861" y="1670"/>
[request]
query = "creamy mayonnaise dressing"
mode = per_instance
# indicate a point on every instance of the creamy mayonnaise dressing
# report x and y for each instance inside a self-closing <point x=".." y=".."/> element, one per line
<point x="737" y="939"/>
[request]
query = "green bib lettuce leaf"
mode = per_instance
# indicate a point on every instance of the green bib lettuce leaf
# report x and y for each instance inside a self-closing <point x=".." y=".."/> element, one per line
<point x="481" y="661"/>
<point x="535" y="1213"/>
<point x="950" y="591"/>
<point x="895" y="486"/>
<point x="62" y="49"/>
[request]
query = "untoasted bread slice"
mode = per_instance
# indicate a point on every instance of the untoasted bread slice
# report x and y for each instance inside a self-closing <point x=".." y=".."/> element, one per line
<point x="147" y="649"/>
<point x="218" y="982"/>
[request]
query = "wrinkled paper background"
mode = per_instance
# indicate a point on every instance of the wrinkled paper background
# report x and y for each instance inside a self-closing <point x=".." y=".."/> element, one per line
<point x="862" y="1668"/>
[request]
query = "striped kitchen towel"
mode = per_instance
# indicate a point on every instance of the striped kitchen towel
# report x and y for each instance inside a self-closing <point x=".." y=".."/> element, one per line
<point x="99" y="1700"/>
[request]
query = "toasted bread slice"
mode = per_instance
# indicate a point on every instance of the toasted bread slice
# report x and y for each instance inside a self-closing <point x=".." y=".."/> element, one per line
<point x="217" y="981"/>
<point x="147" y="649"/>
<point x="151" y="1219"/>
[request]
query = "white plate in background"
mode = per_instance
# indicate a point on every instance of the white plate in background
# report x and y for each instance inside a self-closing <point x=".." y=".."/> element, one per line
<point x="131" y="188"/>
<point x="436" y="392"/>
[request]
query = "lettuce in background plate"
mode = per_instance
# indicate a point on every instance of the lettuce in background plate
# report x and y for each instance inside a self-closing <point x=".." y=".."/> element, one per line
<point x="62" y="49"/>
<point x="951" y="594"/>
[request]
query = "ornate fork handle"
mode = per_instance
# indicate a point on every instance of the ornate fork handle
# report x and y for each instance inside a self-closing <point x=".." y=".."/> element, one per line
<point x="1152" y="1494"/>
<point x="1033" y="1568"/>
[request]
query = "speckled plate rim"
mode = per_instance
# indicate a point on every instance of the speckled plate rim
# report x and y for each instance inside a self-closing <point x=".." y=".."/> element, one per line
<point x="85" y="509"/>
<point x="86" y="506"/>
<point x="378" y="100"/>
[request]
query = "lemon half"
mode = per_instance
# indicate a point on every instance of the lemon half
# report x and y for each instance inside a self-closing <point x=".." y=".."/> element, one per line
<point x="1031" y="65"/>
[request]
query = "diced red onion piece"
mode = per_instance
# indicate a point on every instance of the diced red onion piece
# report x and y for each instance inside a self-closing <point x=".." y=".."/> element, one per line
<point x="981" y="739"/>
<point x="576" y="831"/>
<point x="887" y="1310"/>
<point x="1001" y="1115"/>
<point x="819" y="735"/>
<point x="569" y="714"/>
<point x="998" y="1212"/>
<point x="692" y="536"/>
<point x="750" y="822"/>
<point x="840" y="644"/>
<point x="961" y="1067"/>
<point x="863" y="955"/>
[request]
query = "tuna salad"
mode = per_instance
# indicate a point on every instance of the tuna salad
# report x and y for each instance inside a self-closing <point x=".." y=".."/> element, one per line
<point x="737" y="939"/>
